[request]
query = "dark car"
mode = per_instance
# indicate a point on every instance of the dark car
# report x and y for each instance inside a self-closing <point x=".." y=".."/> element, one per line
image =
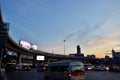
<point x="114" y="68"/>
<point x="27" y="68"/>
<point x="10" y="67"/>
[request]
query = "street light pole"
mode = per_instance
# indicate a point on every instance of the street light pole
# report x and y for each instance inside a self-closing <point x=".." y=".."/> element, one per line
<point x="64" y="47"/>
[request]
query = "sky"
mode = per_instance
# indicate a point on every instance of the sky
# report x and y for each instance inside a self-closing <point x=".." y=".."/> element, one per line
<point x="92" y="24"/>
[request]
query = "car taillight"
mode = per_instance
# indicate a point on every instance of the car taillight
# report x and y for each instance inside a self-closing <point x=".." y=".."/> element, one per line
<point x="82" y="73"/>
<point x="70" y="74"/>
<point x="76" y="73"/>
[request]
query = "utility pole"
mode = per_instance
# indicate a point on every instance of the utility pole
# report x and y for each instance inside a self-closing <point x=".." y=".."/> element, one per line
<point x="64" y="47"/>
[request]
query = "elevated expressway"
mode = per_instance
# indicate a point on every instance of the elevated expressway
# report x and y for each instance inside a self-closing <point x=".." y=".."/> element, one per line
<point x="7" y="43"/>
<point x="13" y="46"/>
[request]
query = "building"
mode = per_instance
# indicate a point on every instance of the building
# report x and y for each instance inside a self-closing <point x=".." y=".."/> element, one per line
<point x="115" y="54"/>
<point x="78" y="53"/>
<point x="107" y="57"/>
<point x="91" y="56"/>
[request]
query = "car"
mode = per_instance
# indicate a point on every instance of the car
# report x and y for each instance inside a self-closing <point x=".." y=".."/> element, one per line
<point x="10" y="67"/>
<point x="65" y="70"/>
<point x="88" y="67"/>
<point x="18" y="67"/>
<point x="27" y="68"/>
<point x="114" y="68"/>
<point x="41" y="69"/>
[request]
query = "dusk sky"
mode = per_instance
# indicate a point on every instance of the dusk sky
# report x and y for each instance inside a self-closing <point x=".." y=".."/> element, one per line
<point x="92" y="24"/>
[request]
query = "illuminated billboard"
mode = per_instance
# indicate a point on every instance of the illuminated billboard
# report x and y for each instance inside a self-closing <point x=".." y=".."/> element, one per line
<point x="33" y="47"/>
<point x="27" y="45"/>
<point x="40" y="58"/>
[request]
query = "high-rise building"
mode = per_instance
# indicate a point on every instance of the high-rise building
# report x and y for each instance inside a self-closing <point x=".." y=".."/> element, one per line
<point x="78" y="54"/>
<point x="78" y="49"/>
<point x="115" y="54"/>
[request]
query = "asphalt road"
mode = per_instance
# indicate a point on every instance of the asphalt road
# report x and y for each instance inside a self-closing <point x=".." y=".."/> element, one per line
<point x="34" y="75"/>
<point x="25" y="75"/>
<point x="102" y="75"/>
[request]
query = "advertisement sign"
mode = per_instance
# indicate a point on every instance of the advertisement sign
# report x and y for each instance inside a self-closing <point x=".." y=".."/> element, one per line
<point x="33" y="47"/>
<point x="27" y="45"/>
<point x="40" y="58"/>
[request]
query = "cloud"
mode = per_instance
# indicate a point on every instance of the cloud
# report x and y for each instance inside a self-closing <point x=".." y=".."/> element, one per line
<point x="102" y="42"/>
<point x="86" y="33"/>
<point x="103" y="23"/>
<point x="83" y="31"/>
<point x="28" y="6"/>
<point x="56" y="48"/>
<point x="118" y="45"/>
<point x="106" y="19"/>
<point x="102" y="33"/>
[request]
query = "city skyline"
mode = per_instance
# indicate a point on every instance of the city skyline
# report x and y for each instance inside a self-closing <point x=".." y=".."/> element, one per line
<point x="94" y="25"/>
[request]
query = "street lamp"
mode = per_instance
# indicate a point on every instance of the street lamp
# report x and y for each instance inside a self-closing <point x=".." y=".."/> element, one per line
<point x="64" y="47"/>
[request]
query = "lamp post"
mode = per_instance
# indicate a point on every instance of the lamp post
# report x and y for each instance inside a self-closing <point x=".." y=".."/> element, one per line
<point x="64" y="47"/>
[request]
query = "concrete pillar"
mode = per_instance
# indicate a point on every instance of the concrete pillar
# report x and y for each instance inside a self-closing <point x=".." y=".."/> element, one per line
<point x="2" y="53"/>
<point x="19" y="58"/>
<point x="48" y="61"/>
<point x="34" y="61"/>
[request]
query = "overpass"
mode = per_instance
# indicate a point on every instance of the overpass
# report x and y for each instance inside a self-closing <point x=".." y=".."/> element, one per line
<point x="7" y="43"/>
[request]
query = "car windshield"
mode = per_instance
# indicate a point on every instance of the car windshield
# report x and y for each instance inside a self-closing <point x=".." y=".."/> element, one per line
<point x="77" y="68"/>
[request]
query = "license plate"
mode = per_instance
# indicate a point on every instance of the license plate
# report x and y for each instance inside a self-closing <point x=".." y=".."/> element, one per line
<point x="77" y="77"/>
<point x="73" y="78"/>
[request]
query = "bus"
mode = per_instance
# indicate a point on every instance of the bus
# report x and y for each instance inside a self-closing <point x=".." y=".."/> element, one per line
<point x="65" y="70"/>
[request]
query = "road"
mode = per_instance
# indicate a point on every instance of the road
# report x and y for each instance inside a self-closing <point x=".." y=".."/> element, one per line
<point x="34" y="75"/>
<point x="25" y="75"/>
<point x="102" y="75"/>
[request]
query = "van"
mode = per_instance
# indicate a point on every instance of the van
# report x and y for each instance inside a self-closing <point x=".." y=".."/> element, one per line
<point x="65" y="70"/>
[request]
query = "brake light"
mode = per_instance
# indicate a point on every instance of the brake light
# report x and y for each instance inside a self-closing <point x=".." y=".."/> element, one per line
<point x="69" y="75"/>
<point x="72" y="74"/>
<point x="81" y="73"/>
<point x="76" y="73"/>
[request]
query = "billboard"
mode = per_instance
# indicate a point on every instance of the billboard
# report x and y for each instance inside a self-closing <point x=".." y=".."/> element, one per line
<point x="27" y="45"/>
<point x="33" y="47"/>
<point x="40" y="58"/>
